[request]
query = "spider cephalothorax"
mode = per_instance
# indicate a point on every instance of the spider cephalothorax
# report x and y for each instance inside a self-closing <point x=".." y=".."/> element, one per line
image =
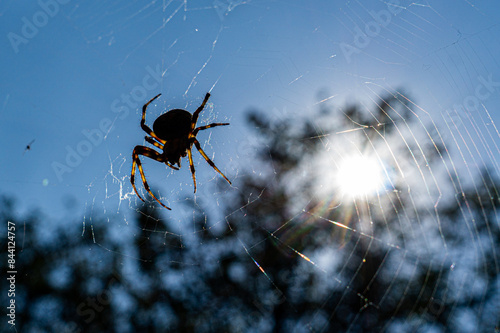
<point x="174" y="132"/>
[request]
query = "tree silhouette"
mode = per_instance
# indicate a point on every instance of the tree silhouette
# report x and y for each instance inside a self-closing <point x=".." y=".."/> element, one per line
<point x="292" y="255"/>
<point x="366" y="291"/>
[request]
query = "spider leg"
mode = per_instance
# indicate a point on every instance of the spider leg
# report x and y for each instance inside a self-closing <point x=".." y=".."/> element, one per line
<point x="160" y="146"/>
<point x="209" y="161"/>
<point x="153" y="142"/>
<point x="143" y="121"/>
<point x="135" y="160"/>
<point x="148" y="152"/>
<point x="191" y="166"/>
<point x="208" y="126"/>
<point x="198" y="110"/>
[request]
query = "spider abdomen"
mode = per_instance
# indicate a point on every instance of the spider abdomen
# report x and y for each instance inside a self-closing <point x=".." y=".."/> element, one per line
<point x="174" y="124"/>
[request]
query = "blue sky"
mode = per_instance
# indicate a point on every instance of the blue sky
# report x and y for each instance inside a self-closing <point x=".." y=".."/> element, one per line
<point x="71" y="66"/>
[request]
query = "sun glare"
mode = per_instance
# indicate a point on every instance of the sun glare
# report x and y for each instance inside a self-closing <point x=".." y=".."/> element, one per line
<point x="359" y="176"/>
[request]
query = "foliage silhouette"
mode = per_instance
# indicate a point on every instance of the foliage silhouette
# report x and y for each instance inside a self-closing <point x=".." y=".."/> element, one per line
<point x="255" y="274"/>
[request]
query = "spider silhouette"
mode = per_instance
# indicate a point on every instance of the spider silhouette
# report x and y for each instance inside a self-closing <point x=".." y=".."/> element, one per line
<point x="174" y="132"/>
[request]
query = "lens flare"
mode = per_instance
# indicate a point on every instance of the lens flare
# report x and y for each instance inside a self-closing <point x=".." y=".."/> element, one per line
<point x="360" y="176"/>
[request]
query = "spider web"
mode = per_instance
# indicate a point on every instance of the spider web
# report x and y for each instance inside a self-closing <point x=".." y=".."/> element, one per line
<point x="426" y="85"/>
<point x="459" y="132"/>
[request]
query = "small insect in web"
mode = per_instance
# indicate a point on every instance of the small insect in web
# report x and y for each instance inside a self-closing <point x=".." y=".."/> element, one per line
<point x="174" y="132"/>
<point x="28" y="146"/>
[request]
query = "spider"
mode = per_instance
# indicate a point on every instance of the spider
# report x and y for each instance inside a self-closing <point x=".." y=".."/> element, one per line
<point x="174" y="132"/>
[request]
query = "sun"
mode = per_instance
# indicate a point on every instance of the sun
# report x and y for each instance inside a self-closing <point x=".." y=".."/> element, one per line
<point x="359" y="176"/>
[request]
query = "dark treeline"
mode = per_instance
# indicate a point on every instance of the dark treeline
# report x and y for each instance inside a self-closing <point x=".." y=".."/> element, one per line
<point x="279" y="264"/>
